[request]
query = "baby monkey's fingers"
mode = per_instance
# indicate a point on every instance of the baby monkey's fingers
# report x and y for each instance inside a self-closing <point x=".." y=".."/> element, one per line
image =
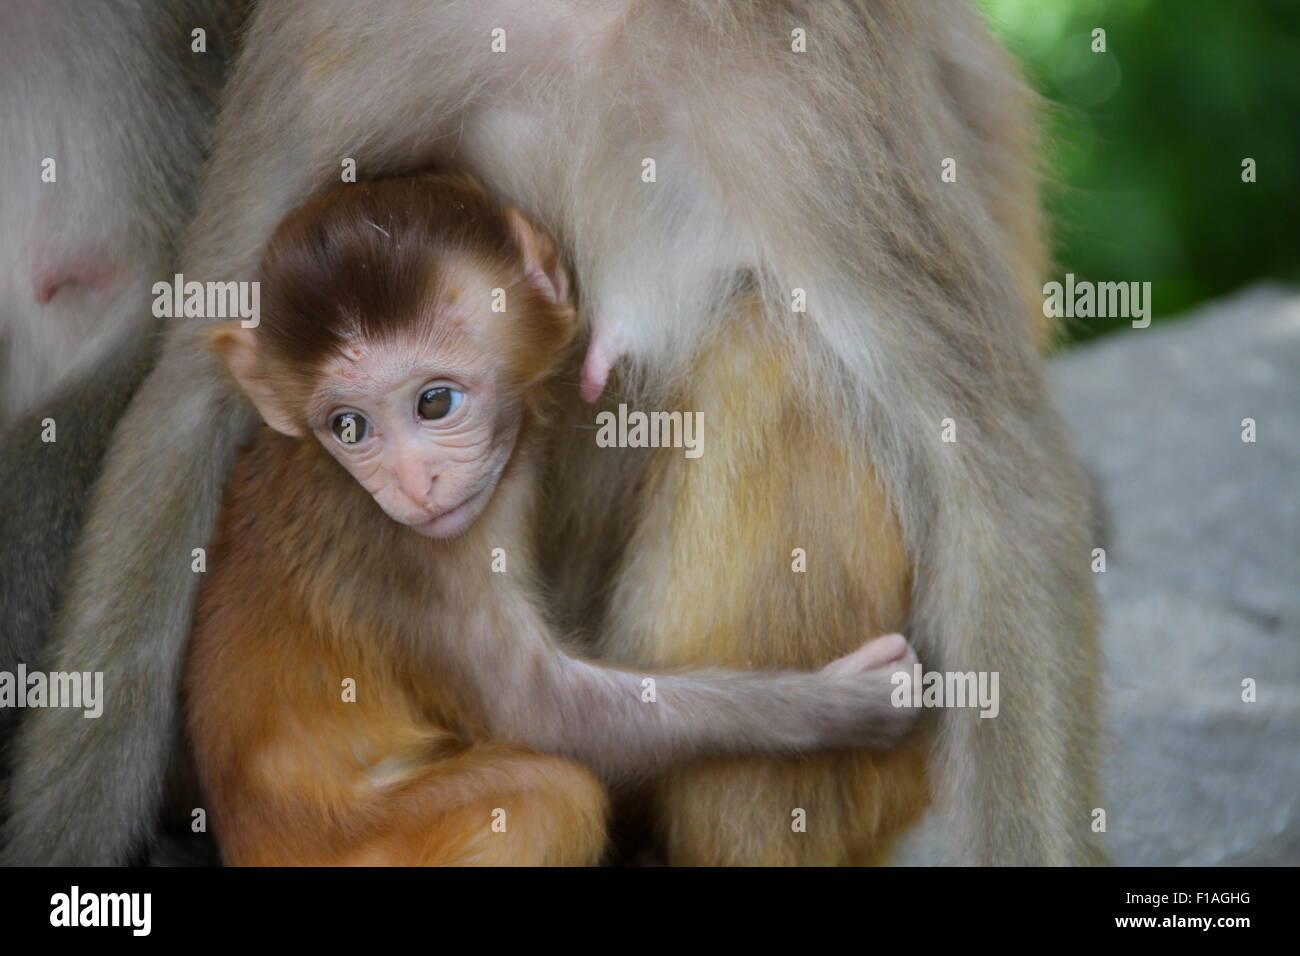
<point x="876" y="653"/>
<point x="862" y="687"/>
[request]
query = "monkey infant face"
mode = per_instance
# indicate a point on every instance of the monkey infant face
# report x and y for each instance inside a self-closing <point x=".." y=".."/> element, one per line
<point x="409" y="325"/>
<point x="427" y="433"/>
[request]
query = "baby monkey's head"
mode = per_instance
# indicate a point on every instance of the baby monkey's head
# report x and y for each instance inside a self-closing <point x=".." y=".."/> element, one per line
<point x="409" y="325"/>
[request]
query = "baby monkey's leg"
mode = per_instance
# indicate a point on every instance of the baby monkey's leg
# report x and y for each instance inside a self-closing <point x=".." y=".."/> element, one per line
<point x="485" y="806"/>
<point x="494" y="806"/>
<point x="293" y="775"/>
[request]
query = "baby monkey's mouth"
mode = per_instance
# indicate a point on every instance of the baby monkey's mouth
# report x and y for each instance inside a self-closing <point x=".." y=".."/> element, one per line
<point x="455" y="520"/>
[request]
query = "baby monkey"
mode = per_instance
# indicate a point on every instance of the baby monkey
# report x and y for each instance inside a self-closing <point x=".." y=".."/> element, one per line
<point x="364" y="689"/>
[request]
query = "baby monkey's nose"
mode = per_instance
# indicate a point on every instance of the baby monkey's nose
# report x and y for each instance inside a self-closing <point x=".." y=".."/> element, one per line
<point x="416" y="481"/>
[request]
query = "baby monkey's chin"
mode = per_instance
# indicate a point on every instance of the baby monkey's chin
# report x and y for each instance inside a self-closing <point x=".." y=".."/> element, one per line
<point x="454" y="521"/>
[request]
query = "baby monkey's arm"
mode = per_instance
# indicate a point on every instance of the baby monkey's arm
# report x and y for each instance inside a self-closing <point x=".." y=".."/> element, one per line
<point x="629" y="723"/>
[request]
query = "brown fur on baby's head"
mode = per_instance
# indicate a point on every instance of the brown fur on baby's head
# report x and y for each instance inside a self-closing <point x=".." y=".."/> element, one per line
<point x="392" y="259"/>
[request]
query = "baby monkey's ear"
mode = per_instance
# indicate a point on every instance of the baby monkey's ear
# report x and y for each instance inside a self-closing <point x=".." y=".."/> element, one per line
<point x="236" y="346"/>
<point x="541" y="257"/>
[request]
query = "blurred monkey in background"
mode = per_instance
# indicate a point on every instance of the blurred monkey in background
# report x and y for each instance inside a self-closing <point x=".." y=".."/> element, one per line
<point x="106" y="109"/>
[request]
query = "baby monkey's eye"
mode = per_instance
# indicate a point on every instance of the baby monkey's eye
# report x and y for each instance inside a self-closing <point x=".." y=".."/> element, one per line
<point x="349" y="428"/>
<point x="439" y="402"/>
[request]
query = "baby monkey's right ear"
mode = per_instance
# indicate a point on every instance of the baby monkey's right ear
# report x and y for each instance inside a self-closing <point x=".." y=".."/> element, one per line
<point x="237" y="348"/>
<point x="541" y="257"/>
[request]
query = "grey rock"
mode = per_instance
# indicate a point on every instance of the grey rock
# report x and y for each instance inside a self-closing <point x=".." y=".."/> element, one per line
<point x="1201" y="586"/>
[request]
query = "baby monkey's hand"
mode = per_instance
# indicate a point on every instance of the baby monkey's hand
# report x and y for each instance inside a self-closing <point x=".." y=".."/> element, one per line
<point x="859" y="688"/>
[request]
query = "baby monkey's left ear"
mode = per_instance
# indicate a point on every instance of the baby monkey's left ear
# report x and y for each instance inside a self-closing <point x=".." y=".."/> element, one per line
<point x="541" y="257"/>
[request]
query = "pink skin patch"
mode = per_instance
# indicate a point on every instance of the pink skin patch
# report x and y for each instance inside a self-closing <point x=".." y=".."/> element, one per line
<point x="92" y="275"/>
<point x="601" y="356"/>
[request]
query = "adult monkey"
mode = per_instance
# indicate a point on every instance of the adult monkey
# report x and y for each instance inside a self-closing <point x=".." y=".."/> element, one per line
<point x="93" y="202"/>
<point x="78" y="256"/>
<point x="774" y="170"/>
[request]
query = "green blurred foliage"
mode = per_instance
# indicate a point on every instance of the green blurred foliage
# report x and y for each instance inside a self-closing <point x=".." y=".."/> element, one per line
<point x="1145" y="142"/>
